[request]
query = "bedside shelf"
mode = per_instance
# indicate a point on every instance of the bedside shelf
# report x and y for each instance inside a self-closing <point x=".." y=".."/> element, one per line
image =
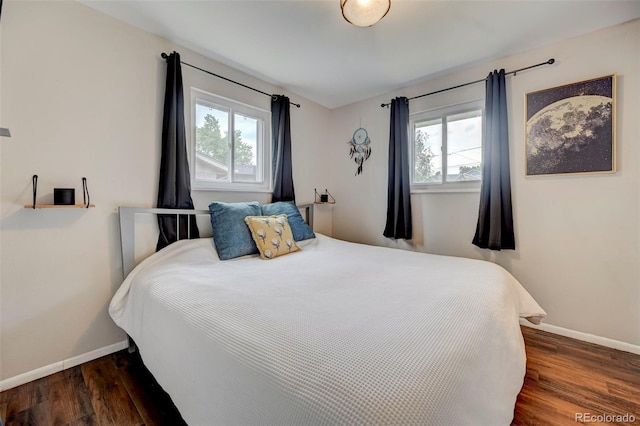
<point x="67" y="195"/>
<point x="58" y="206"/>
<point x="318" y="198"/>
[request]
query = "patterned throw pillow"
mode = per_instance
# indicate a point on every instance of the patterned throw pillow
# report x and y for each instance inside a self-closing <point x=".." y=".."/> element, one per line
<point x="272" y="235"/>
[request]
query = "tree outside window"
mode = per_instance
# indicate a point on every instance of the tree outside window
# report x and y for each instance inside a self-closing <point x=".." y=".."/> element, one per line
<point x="447" y="145"/>
<point x="230" y="144"/>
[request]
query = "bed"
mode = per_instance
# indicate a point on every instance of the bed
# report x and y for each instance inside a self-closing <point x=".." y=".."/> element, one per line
<point x="335" y="333"/>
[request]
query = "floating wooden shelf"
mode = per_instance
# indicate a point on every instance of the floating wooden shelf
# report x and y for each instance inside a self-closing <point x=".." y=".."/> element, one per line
<point x="58" y="206"/>
<point x="318" y="197"/>
<point x="85" y="197"/>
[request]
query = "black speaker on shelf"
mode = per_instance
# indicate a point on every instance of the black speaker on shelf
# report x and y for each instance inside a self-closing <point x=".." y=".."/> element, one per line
<point x="64" y="196"/>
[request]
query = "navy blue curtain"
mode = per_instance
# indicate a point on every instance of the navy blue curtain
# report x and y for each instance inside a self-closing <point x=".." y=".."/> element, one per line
<point x="399" y="192"/>
<point x="494" y="230"/>
<point x="281" y="145"/>
<point x="174" y="186"/>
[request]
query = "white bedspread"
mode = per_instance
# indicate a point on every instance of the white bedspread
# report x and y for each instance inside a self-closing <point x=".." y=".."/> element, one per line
<point x="338" y="333"/>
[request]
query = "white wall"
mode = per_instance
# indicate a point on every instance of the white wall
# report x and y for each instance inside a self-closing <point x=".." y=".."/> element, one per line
<point x="82" y="94"/>
<point x="577" y="237"/>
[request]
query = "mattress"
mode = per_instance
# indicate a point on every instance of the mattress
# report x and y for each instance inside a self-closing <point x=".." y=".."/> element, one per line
<point x="337" y="333"/>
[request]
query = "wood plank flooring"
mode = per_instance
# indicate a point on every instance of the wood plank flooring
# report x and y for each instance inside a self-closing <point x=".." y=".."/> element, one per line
<point x="113" y="390"/>
<point x="565" y="377"/>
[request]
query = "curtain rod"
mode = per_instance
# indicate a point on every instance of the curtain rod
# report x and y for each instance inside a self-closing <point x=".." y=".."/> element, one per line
<point x="549" y="62"/>
<point x="165" y="57"/>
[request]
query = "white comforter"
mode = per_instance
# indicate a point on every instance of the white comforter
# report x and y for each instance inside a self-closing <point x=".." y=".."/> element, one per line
<point x="338" y="333"/>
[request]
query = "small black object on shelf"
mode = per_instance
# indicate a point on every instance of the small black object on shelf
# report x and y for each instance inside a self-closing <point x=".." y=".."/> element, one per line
<point x="325" y="198"/>
<point x="64" y="196"/>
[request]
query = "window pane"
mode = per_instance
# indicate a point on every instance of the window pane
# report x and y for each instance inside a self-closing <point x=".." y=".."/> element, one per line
<point x="428" y="151"/>
<point x="212" y="143"/>
<point x="246" y="135"/>
<point x="464" y="143"/>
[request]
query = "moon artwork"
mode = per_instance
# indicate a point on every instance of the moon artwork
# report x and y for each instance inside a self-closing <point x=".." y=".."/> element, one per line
<point x="570" y="129"/>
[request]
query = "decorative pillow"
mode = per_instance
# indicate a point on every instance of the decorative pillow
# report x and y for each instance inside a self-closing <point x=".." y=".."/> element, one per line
<point x="301" y="231"/>
<point x="230" y="234"/>
<point x="272" y="235"/>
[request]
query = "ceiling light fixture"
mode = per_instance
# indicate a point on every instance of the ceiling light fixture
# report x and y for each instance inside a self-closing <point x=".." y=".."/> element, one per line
<point x="364" y="13"/>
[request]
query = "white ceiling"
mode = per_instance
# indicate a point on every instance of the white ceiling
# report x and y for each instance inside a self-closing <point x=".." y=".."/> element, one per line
<point x="307" y="47"/>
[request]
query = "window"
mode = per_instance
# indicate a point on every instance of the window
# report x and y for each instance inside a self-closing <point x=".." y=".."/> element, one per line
<point x="446" y="147"/>
<point x="230" y="144"/>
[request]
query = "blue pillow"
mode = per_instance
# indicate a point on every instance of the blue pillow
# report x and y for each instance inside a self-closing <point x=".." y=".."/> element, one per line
<point x="230" y="232"/>
<point x="301" y="230"/>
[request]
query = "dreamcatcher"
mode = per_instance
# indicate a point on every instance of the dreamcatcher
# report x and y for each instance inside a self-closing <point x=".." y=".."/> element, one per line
<point x="360" y="149"/>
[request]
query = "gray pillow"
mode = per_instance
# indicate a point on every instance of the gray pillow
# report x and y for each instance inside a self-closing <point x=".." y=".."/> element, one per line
<point x="231" y="235"/>
<point x="301" y="231"/>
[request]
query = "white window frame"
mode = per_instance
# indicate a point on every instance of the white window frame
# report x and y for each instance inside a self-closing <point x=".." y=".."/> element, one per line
<point x="441" y="113"/>
<point x="263" y="145"/>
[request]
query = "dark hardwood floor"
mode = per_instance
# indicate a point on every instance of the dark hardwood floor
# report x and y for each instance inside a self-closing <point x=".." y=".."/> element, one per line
<point x="565" y="378"/>
<point x="113" y="390"/>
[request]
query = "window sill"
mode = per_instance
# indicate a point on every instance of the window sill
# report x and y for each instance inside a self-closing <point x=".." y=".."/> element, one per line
<point x="444" y="189"/>
<point x="231" y="189"/>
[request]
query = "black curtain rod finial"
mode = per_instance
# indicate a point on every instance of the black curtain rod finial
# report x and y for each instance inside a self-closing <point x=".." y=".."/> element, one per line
<point x="274" y="97"/>
<point x="549" y="62"/>
<point x="165" y="56"/>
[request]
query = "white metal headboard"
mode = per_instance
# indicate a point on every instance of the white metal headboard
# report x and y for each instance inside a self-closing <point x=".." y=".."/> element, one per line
<point x="128" y="223"/>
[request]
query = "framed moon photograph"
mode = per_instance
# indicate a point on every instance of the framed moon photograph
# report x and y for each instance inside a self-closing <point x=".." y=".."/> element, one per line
<point x="571" y="128"/>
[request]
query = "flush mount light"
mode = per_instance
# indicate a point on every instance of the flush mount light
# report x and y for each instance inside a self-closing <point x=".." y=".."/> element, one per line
<point x="364" y="13"/>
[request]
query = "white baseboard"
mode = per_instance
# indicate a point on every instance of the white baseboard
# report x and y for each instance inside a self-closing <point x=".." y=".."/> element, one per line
<point x="586" y="337"/>
<point x="41" y="372"/>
